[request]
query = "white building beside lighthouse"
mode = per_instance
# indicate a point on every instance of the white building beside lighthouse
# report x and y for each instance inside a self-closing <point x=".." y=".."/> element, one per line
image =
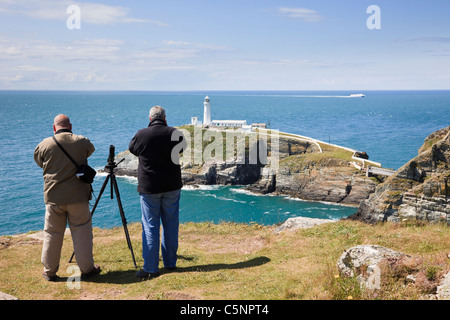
<point x="221" y="124"/>
<point x="206" y="111"/>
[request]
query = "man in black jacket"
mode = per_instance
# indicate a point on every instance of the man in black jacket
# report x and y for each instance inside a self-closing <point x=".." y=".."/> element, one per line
<point x="159" y="186"/>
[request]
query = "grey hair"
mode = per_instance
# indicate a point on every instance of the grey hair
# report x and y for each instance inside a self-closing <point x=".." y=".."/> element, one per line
<point x="157" y="112"/>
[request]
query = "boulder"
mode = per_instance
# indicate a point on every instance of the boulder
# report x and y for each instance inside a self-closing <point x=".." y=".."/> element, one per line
<point x="362" y="261"/>
<point x="443" y="290"/>
<point x="300" y="222"/>
<point x="4" y="296"/>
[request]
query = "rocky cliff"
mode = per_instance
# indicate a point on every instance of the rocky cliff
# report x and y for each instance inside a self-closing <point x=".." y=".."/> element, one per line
<point x="318" y="178"/>
<point x="304" y="172"/>
<point x="419" y="190"/>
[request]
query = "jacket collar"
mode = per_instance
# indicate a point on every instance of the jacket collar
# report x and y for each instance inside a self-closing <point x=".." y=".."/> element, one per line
<point x="157" y="122"/>
<point x="63" y="130"/>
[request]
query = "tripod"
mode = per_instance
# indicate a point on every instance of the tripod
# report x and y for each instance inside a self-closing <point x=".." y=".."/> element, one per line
<point x="111" y="176"/>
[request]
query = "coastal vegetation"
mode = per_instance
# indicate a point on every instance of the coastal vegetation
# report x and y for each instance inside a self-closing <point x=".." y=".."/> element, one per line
<point x="236" y="261"/>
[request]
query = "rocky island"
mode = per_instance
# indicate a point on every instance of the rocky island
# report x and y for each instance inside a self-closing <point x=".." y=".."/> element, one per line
<point x="307" y="169"/>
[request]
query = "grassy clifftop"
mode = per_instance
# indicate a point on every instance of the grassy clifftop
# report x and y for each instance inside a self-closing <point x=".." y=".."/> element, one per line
<point x="230" y="261"/>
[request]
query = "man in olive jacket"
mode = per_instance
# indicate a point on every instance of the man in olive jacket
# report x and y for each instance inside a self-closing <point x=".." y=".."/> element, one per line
<point x="159" y="186"/>
<point x="66" y="199"/>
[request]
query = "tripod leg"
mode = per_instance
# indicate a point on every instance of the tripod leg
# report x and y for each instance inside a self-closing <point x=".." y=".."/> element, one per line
<point x="100" y="194"/>
<point x="122" y="215"/>
<point x="95" y="206"/>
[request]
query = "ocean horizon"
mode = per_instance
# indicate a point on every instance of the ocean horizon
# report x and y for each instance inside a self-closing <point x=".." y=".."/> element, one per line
<point x="389" y="125"/>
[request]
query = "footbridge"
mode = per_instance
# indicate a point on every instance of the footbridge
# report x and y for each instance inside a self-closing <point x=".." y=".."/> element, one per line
<point x="376" y="170"/>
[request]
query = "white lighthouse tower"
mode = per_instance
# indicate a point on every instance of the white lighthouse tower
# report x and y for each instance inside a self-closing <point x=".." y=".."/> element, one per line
<point x="206" y="111"/>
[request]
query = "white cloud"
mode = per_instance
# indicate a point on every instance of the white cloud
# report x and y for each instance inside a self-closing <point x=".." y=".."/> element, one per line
<point x="94" y="77"/>
<point x="177" y="55"/>
<point x="32" y="68"/>
<point x="432" y="39"/>
<point x="99" y="60"/>
<point x="196" y="45"/>
<point x="31" y="52"/>
<point x="95" y="13"/>
<point x="99" y="42"/>
<point x="13" y="78"/>
<point x="9" y="50"/>
<point x="91" y="13"/>
<point x="306" y="15"/>
<point x="165" y="54"/>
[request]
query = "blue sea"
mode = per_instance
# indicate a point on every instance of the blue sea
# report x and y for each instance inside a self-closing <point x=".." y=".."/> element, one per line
<point x="389" y="125"/>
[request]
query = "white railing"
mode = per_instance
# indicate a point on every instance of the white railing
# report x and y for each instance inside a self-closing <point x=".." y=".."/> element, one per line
<point x="294" y="136"/>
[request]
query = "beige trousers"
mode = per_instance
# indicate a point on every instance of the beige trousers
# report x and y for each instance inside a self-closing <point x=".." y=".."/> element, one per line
<point x="80" y="224"/>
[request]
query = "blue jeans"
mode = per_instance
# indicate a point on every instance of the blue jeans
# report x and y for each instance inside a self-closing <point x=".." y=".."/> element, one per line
<point x="158" y="207"/>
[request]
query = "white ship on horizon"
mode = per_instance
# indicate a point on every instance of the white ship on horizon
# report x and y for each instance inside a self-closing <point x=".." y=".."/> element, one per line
<point x="357" y="95"/>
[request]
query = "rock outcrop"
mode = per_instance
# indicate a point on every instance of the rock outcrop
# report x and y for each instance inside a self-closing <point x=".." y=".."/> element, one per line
<point x="295" y="223"/>
<point x="419" y="190"/>
<point x="370" y="263"/>
<point x="363" y="261"/>
<point x="5" y="296"/>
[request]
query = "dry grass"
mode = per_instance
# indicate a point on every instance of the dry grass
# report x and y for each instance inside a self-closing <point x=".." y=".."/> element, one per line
<point x="236" y="261"/>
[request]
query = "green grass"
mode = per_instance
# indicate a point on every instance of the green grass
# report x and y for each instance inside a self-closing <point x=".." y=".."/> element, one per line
<point x="229" y="261"/>
<point x="298" y="162"/>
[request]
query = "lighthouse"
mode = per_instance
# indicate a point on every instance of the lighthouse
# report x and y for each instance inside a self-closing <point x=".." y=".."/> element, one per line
<point x="206" y="111"/>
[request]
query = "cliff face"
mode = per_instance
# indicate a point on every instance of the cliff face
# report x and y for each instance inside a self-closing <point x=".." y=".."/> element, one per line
<point x="418" y="190"/>
<point x="329" y="180"/>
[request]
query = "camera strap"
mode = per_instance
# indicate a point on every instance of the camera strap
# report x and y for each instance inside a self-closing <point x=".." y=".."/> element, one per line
<point x="61" y="147"/>
<point x="68" y="156"/>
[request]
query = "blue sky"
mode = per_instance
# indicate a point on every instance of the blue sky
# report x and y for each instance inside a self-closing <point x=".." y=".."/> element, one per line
<point x="224" y="45"/>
